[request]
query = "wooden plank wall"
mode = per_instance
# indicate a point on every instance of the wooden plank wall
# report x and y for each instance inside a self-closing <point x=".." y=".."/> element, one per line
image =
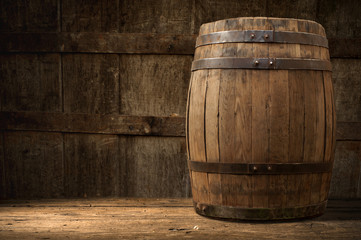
<point x="93" y="93"/>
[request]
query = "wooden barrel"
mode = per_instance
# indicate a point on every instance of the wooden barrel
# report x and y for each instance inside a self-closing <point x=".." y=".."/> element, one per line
<point x="261" y="119"/>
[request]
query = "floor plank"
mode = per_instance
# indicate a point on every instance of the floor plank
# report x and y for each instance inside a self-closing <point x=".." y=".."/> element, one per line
<point x="160" y="219"/>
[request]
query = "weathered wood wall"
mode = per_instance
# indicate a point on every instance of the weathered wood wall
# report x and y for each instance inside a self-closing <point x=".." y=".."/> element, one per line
<point x="93" y="93"/>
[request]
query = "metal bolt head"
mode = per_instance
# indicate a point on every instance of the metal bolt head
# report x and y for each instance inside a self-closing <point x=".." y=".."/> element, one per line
<point x="270" y="63"/>
<point x="269" y="168"/>
<point x="253" y="36"/>
<point x="254" y="168"/>
<point x="256" y="62"/>
<point x="266" y="36"/>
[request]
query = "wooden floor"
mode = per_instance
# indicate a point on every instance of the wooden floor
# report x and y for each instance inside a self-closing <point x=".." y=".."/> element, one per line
<point x="161" y="219"/>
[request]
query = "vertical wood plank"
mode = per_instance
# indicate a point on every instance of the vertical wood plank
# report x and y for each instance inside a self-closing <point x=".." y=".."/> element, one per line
<point x="231" y="187"/>
<point x="260" y="118"/>
<point x="90" y="16"/>
<point x="156" y="16"/>
<point x="212" y="10"/>
<point x="143" y="80"/>
<point x="2" y="167"/>
<point x="30" y="82"/>
<point x="346" y="170"/>
<point x="33" y="165"/>
<point x="296" y="140"/>
<point x="243" y="134"/>
<point x="327" y="81"/>
<point x="29" y="16"/>
<point x="279" y="134"/>
<point x="211" y="117"/>
<point x="309" y="122"/>
<point x="212" y="133"/>
<point x="310" y="132"/>
<point x="197" y="145"/>
<point x="260" y="135"/>
<point x="226" y="133"/>
<point x="347" y="84"/>
<point x="316" y="187"/>
<point x="243" y="123"/>
<point x="328" y="151"/>
<point x="91" y="165"/>
<point x="297" y="113"/>
<point x="153" y="167"/>
<point x="279" y="116"/>
<point x="91" y="83"/>
<point x="226" y="115"/>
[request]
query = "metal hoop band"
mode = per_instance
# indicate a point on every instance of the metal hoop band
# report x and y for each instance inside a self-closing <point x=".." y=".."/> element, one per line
<point x="259" y="168"/>
<point x="230" y="212"/>
<point x="262" y="36"/>
<point x="261" y="63"/>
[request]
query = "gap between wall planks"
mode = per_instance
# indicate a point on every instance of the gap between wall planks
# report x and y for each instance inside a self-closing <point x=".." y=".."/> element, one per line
<point x="120" y="124"/>
<point x="132" y="43"/>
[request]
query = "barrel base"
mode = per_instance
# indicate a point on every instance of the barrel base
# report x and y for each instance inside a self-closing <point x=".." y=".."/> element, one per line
<point x="236" y="213"/>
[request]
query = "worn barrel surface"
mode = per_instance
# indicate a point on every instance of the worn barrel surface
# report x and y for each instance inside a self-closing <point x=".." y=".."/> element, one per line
<point x="261" y="119"/>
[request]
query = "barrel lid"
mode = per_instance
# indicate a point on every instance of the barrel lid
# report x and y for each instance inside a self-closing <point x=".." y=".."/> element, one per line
<point x="263" y="23"/>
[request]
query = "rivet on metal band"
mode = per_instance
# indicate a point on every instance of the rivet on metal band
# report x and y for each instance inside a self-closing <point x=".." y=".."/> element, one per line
<point x="259" y="168"/>
<point x="260" y="36"/>
<point x="262" y="63"/>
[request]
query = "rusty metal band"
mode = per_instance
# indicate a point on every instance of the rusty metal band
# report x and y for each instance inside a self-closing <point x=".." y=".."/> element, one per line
<point x="237" y="213"/>
<point x="262" y="63"/>
<point x="259" y="168"/>
<point x="262" y="36"/>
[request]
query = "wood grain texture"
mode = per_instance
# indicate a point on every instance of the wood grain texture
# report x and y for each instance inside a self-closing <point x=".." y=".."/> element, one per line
<point x="345" y="182"/>
<point x="156" y="16"/>
<point x="30" y="82"/>
<point x="95" y="123"/>
<point x="212" y="134"/>
<point x="2" y="167"/>
<point x="345" y="47"/>
<point x="328" y="116"/>
<point x="213" y="10"/>
<point x="153" y="167"/>
<point x="340" y="19"/>
<point x="98" y="42"/>
<point x="347" y="85"/>
<point x="29" y="16"/>
<point x="161" y="219"/>
<point x="156" y="43"/>
<point x="91" y="165"/>
<point x="348" y="131"/>
<point x="230" y="187"/>
<point x="280" y="113"/>
<point x="33" y="165"/>
<point x="90" y="16"/>
<point x="91" y="83"/>
<point x="162" y="126"/>
<point x="292" y="9"/>
<point x="33" y="81"/>
<point x="260" y="120"/>
<point x="154" y="85"/>
<point x="196" y="138"/>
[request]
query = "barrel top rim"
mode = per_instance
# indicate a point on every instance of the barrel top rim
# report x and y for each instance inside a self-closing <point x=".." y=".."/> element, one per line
<point x="266" y="18"/>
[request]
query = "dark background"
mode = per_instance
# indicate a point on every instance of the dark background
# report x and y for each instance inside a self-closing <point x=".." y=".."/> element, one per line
<point x="93" y="93"/>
